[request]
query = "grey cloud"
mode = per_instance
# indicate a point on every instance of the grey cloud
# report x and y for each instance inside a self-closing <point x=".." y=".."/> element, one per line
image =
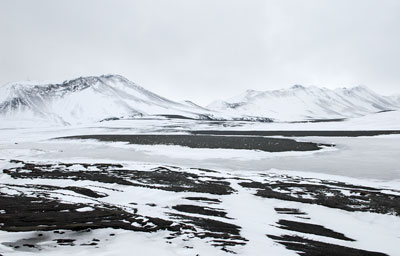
<point x="202" y="50"/>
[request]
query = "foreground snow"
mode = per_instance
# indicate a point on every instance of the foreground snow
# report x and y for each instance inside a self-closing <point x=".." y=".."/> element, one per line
<point x="237" y="204"/>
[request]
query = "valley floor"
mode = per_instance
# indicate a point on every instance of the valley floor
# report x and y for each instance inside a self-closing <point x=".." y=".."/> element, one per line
<point x="124" y="192"/>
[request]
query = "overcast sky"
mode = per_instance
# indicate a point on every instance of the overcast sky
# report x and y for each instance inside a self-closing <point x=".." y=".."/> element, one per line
<point x="204" y="49"/>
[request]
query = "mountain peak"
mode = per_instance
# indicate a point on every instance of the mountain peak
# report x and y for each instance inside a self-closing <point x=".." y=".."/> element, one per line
<point x="298" y="86"/>
<point x="354" y="88"/>
<point x="361" y="88"/>
<point x="88" y="99"/>
<point x="90" y="80"/>
<point x="249" y="91"/>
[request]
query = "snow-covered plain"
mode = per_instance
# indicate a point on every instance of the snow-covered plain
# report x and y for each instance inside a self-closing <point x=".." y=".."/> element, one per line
<point x="360" y="161"/>
<point x="350" y="157"/>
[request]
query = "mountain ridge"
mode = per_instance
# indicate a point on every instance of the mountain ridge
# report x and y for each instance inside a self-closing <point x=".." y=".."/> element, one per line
<point x="300" y="103"/>
<point x="88" y="99"/>
<point x="111" y="97"/>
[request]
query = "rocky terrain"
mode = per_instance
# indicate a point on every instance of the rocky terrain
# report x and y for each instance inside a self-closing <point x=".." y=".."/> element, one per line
<point x="66" y="204"/>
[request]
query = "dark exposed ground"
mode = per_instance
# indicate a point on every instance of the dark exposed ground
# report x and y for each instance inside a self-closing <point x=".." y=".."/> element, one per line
<point x="289" y="211"/>
<point x="27" y="213"/>
<point x="297" y="133"/>
<point x="207" y="141"/>
<point x="159" y="178"/>
<point x="34" y="207"/>
<point x="319" y="120"/>
<point x="329" y="194"/>
<point x="204" y="199"/>
<point x="223" y="234"/>
<point x="308" y="247"/>
<point x="311" y="229"/>
<point x="42" y="212"/>
<point x="177" y="117"/>
<point x="200" y="210"/>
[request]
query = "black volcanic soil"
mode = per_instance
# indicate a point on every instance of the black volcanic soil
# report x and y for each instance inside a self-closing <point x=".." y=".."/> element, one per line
<point x="26" y="213"/>
<point x="207" y="141"/>
<point x="308" y="247"/>
<point x="39" y="211"/>
<point x="311" y="229"/>
<point x="159" y="178"/>
<point x="200" y="210"/>
<point x="297" y="133"/>
<point x="37" y="207"/>
<point x="329" y="194"/>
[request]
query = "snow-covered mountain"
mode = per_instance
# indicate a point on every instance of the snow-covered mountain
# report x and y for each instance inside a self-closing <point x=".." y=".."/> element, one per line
<point x="87" y="99"/>
<point x="395" y="98"/>
<point x="97" y="98"/>
<point x="302" y="103"/>
<point x="192" y="104"/>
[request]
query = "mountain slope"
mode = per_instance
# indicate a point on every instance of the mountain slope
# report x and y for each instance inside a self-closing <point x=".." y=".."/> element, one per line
<point x="395" y="98"/>
<point x="87" y="99"/>
<point x="302" y="103"/>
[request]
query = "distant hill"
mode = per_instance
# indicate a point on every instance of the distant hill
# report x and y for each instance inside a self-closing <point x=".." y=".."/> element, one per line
<point x="302" y="103"/>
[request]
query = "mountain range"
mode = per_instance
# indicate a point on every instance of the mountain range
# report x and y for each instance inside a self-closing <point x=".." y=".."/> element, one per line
<point x="306" y="103"/>
<point x="108" y="97"/>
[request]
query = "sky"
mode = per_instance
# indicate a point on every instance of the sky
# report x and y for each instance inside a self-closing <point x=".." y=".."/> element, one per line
<point x="202" y="50"/>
